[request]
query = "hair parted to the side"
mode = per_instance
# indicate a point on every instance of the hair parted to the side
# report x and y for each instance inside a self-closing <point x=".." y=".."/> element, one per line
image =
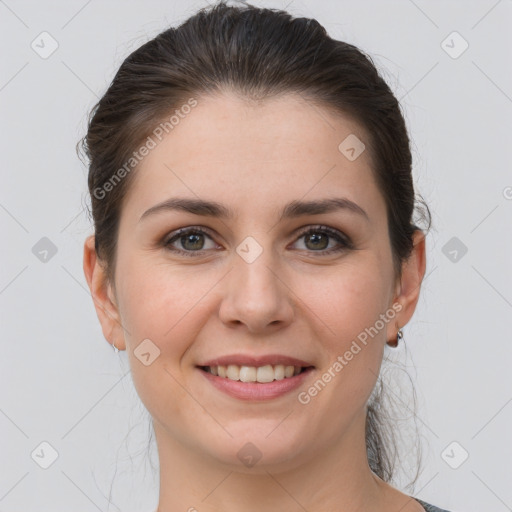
<point x="256" y="53"/>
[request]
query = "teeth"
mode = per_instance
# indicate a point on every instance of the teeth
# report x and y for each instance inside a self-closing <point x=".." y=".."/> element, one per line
<point x="265" y="374"/>
<point x="248" y="374"/>
<point x="233" y="372"/>
<point x="279" y="372"/>
<point x="262" y="374"/>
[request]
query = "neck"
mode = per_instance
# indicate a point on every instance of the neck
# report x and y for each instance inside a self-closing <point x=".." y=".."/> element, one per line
<point x="319" y="480"/>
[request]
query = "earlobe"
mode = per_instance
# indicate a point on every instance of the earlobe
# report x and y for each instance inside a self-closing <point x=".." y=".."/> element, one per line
<point x="408" y="289"/>
<point x="102" y="296"/>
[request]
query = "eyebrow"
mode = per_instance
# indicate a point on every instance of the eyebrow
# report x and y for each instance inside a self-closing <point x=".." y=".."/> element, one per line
<point x="291" y="210"/>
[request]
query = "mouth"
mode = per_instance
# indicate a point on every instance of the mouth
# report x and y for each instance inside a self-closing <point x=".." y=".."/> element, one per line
<point x="260" y="374"/>
<point x="262" y="381"/>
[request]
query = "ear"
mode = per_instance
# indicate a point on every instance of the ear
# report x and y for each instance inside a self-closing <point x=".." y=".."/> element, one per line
<point x="408" y="287"/>
<point x="103" y="296"/>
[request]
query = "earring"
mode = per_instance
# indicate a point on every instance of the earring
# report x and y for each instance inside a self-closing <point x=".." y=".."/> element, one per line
<point x="116" y="350"/>
<point x="399" y="337"/>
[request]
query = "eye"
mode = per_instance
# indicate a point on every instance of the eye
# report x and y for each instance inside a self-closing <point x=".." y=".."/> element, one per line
<point x="317" y="239"/>
<point x="189" y="239"/>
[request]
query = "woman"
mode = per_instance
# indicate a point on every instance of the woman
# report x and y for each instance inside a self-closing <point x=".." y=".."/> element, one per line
<point x="254" y="252"/>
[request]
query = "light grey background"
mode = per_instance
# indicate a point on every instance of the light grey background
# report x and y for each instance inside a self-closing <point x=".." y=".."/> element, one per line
<point x="62" y="383"/>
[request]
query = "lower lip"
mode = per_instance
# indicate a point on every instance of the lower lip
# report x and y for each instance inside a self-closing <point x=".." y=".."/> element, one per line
<point x="256" y="390"/>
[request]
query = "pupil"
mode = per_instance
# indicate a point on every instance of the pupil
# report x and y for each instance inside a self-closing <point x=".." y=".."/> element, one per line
<point x="194" y="238"/>
<point x="316" y="238"/>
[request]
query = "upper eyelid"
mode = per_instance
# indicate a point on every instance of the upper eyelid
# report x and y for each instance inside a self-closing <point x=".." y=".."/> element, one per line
<point x="183" y="231"/>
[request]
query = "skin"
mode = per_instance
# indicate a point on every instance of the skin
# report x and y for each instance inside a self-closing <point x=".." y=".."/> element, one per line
<point x="254" y="157"/>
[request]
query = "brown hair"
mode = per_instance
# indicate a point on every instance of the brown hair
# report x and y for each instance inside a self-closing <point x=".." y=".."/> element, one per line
<point x="257" y="53"/>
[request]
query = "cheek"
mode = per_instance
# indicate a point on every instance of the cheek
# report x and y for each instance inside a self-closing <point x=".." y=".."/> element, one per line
<point x="160" y="302"/>
<point x="353" y="333"/>
<point x="349" y="301"/>
<point x="163" y="305"/>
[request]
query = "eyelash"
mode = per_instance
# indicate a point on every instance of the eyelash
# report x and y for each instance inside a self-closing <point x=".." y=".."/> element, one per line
<point x="343" y="240"/>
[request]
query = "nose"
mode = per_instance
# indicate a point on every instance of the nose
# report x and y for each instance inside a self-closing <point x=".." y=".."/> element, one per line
<point x="256" y="296"/>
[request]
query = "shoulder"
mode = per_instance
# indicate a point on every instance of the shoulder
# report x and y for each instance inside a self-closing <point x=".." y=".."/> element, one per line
<point x="430" y="508"/>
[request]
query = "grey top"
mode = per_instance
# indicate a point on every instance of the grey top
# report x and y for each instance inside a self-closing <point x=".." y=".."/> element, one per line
<point x="430" y="508"/>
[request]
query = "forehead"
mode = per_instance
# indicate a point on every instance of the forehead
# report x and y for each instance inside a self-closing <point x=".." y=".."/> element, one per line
<point x="255" y="156"/>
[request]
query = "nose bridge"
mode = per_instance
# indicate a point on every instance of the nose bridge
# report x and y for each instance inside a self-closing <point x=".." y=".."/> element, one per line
<point x="256" y="295"/>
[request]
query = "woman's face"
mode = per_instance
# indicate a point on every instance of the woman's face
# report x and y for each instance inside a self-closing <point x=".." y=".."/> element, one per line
<point x="254" y="284"/>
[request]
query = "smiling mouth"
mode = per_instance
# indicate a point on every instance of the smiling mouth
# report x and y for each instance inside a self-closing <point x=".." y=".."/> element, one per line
<point x="260" y="374"/>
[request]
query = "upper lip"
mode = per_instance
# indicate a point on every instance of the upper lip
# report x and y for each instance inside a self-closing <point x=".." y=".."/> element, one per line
<point x="247" y="360"/>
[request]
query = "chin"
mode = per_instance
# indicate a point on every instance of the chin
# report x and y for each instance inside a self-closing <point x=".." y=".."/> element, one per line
<point x="256" y="451"/>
